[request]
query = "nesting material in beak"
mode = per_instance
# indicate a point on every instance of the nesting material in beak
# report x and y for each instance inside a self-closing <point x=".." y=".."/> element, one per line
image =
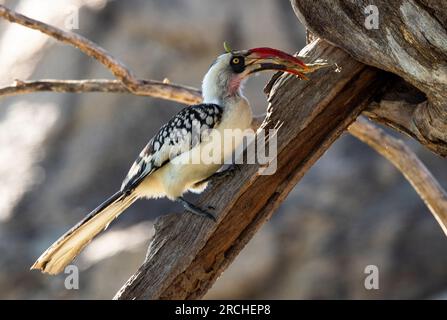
<point x="260" y="59"/>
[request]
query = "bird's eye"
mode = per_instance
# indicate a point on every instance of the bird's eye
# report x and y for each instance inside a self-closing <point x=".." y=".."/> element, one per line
<point x="237" y="64"/>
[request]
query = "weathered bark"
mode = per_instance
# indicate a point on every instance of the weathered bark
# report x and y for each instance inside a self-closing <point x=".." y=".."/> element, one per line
<point x="187" y="253"/>
<point x="411" y="41"/>
<point x="397" y="108"/>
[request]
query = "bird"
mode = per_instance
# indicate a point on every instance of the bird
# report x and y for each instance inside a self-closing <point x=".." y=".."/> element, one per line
<point x="162" y="169"/>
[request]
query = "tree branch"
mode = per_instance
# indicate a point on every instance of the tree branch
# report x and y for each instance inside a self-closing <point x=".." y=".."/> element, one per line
<point x="119" y="70"/>
<point x="404" y="159"/>
<point x="128" y="82"/>
<point x="157" y="89"/>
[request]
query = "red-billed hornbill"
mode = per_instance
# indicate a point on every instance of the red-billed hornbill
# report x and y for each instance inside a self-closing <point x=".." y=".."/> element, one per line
<point x="158" y="170"/>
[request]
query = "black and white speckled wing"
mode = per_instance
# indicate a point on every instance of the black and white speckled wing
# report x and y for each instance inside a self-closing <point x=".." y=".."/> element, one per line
<point x="179" y="135"/>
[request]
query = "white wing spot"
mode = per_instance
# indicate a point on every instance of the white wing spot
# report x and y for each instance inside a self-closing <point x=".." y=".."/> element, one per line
<point x="209" y="120"/>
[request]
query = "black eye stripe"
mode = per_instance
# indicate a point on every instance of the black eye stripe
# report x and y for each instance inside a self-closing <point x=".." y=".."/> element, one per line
<point x="237" y="63"/>
<point x="237" y="60"/>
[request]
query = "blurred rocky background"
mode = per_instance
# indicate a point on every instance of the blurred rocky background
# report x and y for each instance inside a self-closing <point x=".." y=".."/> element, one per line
<point x="63" y="154"/>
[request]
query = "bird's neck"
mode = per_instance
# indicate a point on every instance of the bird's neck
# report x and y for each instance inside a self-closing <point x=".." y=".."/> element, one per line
<point x="226" y="91"/>
<point x="221" y="89"/>
<point x="224" y="100"/>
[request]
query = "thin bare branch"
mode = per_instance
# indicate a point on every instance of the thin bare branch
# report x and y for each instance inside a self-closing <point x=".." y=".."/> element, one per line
<point x="127" y="81"/>
<point x="152" y="88"/>
<point x="404" y="159"/>
<point x="119" y="70"/>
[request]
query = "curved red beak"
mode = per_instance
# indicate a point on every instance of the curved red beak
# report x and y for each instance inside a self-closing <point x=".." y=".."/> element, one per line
<point x="260" y="59"/>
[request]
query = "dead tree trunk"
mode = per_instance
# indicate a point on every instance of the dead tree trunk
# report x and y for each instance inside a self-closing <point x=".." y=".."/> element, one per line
<point x="410" y="41"/>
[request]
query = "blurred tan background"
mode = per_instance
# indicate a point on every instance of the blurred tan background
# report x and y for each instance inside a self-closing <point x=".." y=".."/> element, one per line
<point x="63" y="154"/>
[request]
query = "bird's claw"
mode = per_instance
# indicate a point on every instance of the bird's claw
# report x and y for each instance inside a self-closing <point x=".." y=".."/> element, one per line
<point x="195" y="209"/>
<point x="202" y="213"/>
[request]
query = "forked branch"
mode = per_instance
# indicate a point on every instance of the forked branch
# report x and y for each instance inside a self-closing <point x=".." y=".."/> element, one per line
<point x="118" y="69"/>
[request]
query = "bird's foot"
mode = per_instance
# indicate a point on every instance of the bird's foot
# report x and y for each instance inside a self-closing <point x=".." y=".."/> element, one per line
<point x="196" y="210"/>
